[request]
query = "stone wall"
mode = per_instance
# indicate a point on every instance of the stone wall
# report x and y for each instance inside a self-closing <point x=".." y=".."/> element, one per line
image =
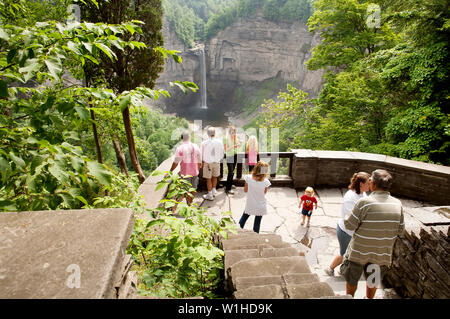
<point x="421" y="264"/>
<point x="412" y="179"/>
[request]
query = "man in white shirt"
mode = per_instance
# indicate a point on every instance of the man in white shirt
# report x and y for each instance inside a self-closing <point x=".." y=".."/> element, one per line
<point x="212" y="154"/>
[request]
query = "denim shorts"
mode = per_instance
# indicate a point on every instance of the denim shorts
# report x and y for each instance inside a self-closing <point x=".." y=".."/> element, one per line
<point x="344" y="240"/>
<point x="307" y="212"/>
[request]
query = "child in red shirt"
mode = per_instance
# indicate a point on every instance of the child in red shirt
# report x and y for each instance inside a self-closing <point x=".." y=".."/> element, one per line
<point x="308" y="201"/>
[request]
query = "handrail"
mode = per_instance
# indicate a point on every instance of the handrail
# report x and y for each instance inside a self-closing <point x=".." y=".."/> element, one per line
<point x="241" y="156"/>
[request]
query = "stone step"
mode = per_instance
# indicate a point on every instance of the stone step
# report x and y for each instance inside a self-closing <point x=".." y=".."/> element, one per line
<point x="290" y="279"/>
<point x="310" y="290"/>
<point x="247" y="282"/>
<point x="261" y="292"/>
<point x="241" y="233"/>
<point x="279" y="252"/>
<point x="271" y="239"/>
<point x="271" y="266"/>
<point x="257" y="246"/>
<point x="273" y="291"/>
<point x="234" y="256"/>
<point x="301" y="278"/>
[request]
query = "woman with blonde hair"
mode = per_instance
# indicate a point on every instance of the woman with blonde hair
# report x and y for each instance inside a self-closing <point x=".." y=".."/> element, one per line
<point x="231" y="145"/>
<point x="256" y="187"/>
<point x="252" y="152"/>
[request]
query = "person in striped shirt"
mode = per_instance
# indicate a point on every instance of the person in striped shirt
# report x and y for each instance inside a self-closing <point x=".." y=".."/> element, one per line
<point x="376" y="220"/>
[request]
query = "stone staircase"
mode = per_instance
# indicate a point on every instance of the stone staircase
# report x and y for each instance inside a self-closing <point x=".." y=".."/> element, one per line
<point x="262" y="266"/>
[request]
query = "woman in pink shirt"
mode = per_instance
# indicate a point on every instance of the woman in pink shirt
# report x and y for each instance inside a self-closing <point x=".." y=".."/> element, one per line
<point x="252" y="152"/>
<point x="188" y="156"/>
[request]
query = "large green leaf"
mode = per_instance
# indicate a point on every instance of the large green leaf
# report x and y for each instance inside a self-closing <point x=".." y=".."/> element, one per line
<point x="100" y="172"/>
<point x="106" y="50"/>
<point x="58" y="172"/>
<point x="54" y="68"/>
<point x="17" y="160"/>
<point x="83" y="113"/>
<point x="30" y="68"/>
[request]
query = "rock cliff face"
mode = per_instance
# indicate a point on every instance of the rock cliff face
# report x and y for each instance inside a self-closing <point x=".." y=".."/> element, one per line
<point x="254" y="49"/>
<point x="239" y="60"/>
<point x="189" y="70"/>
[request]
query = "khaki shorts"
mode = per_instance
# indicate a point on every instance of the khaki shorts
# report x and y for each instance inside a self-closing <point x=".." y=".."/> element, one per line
<point x="352" y="272"/>
<point x="211" y="170"/>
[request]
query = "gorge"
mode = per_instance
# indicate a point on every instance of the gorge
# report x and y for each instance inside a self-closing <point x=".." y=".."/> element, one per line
<point x="247" y="62"/>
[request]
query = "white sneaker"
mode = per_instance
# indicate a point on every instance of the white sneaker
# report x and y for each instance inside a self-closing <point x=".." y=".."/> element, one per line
<point x="208" y="197"/>
<point x="214" y="192"/>
<point x="329" y="271"/>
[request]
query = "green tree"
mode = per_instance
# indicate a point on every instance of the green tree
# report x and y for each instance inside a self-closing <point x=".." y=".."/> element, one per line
<point x="386" y="88"/>
<point x="132" y="68"/>
<point x="42" y="165"/>
<point x="346" y="37"/>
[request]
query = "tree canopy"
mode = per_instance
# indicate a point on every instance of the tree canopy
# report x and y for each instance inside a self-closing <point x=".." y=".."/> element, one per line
<point x="386" y="84"/>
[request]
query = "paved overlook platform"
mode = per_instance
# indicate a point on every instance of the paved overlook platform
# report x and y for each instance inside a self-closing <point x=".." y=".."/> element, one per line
<point x="318" y="242"/>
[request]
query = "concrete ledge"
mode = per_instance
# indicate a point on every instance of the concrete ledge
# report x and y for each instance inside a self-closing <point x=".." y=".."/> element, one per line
<point x="42" y="252"/>
<point x="147" y="189"/>
<point x="412" y="179"/>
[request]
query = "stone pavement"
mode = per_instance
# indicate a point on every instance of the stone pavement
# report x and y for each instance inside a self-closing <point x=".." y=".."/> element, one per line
<point x="318" y="242"/>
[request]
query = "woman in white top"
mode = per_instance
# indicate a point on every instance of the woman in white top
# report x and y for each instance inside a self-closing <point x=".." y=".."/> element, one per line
<point x="256" y="186"/>
<point x="359" y="184"/>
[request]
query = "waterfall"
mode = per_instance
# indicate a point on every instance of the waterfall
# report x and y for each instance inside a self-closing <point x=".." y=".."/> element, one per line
<point x="203" y="82"/>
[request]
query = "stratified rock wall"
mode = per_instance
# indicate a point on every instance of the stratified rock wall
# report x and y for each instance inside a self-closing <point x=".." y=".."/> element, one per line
<point x="189" y="70"/>
<point x="246" y="53"/>
<point x="255" y="49"/>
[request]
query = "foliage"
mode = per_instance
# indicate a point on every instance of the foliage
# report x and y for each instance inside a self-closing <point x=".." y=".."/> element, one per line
<point x="346" y="37"/>
<point x="386" y="88"/>
<point x="273" y="10"/>
<point x="187" y="18"/>
<point x="43" y="165"/>
<point x="178" y="257"/>
<point x="41" y="169"/>
<point x="138" y="64"/>
<point x="155" y="136"/>
<point x="290" y="104"/>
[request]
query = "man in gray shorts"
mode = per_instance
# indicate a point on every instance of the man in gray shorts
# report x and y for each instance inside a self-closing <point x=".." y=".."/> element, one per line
<point x="212" y="154"/>
<point x="189" y="157"/>
<point x="376" y="220"/>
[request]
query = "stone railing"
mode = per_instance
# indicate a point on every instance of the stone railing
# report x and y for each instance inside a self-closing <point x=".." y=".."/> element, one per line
<point x="147" y="189"/>
<point x="412" y="179"/>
